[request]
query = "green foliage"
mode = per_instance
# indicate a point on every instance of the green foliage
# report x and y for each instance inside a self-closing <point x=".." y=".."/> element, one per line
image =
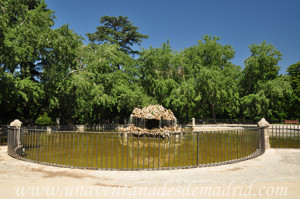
<point x="43" y="120"/>
<point x="51" y="71"/>
<point x="255" y="105"/>
<point x="196" y="82"/>
<point x="261" y="66"/>
<point x="117" y="30"/>
<point x="264" y="93"/>
<point x="215" y="77"/>
<point x="34" y="58"/>
<point x="270" y="101"/>
<point x="157" y="67"/>
<point x="183" y="100"/>
<point x="293" y="73"/>
<point x="209" y="53"/>
<point x="25" y="27"/>
<point x="100" y="90"/>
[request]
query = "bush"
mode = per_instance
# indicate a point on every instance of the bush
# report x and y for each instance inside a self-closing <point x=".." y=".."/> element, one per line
<point x="43" y="120"/>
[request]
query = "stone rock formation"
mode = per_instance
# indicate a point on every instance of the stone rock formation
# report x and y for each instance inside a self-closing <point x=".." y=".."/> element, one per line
<point x="152" y="120"/>
<point x="156" y="112"/>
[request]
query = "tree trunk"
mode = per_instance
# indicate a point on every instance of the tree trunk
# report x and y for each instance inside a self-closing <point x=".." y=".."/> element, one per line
<point x="187" y="113"/>
<point x="213" y="112"/>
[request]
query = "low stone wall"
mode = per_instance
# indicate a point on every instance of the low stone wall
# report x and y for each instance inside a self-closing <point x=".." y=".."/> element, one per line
<point x="220" y="128"/>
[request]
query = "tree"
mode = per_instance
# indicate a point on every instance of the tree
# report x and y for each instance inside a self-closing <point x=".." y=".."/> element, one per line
<point x="293" y="73"/>
<point x="261" y="66"/>
<point x="34" y="59"/>
<point x="165" y="77"/>
<point x="23" y="27"/>
<point x="209" y="53"/>
<point x="117" y="30"/>
<point x="157" y="68"/>
<point x="100" y="91"/>
<point x="219" y="91"/>
<point x="271" y="100"/>
<point x="264" y="93"/>
<point x="183" y="100"/>
<point x="215" y="77"/>
<point x="60" y="61"/>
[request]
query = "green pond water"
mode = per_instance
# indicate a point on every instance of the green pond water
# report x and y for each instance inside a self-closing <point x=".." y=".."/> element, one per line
<point x="285" y="142"/>
<point x="114" y="151"/>
<point x="285" y="136"/>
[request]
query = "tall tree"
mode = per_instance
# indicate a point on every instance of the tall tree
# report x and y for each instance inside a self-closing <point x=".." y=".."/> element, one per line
<point x="264" y="93"/>
<point x="293" y="72"/>
<point x="157" y="68"/>
<point x="209" y="53"/>
<point x="23" y="28"/>
<point x="215" y="76"/>
<point x="261" y="66"/>
<point x="118" y="30"/>
<point x="101" y="92"/>
<point x="165" y="77"/>
<point x="31" y="55"/>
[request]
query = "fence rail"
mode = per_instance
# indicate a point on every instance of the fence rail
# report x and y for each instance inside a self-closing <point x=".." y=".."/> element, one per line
<point x="285" y="136"/>
<point x="119" y="151"/>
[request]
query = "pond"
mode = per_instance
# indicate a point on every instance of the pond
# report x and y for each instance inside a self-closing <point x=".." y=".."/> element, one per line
<point x="285" y="142"/>
<point x="285" y="136"/>
<point x="114" y="150"/>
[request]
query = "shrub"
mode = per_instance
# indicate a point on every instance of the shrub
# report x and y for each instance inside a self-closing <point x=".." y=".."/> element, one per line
<point x="43" y="120"/>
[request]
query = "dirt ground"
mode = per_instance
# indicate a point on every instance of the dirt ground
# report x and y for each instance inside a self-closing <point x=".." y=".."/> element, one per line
<point x="275" y="174"/>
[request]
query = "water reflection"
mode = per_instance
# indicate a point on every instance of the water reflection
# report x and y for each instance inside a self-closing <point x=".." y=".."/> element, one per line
<point x="117" y="151"/>
<point x="147" y="151"/>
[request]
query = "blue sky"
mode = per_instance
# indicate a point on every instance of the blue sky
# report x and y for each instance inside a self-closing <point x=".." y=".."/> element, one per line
<point x="238" y="23"/>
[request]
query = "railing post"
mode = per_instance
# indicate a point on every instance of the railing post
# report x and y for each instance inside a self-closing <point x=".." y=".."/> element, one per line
<point x="237" y="145"/>
<point x="197" y="149"/>
<point x="264" y="128"/>
<point x="38" y="146"/>
<point x="193" y="123"/>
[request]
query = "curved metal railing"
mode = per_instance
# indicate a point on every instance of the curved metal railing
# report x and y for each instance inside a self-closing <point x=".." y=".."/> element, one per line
<point x="119" y="151"/>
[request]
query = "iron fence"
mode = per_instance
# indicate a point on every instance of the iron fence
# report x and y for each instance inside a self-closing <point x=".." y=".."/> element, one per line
<point x="285" y="136"/>
<point x="134" y="151"/>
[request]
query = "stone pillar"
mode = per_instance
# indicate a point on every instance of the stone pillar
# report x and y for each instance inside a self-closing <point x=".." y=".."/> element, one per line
<point x="57" y="123"/>
<point x="49" y="130"/>
<point x="17" y="136"/>
<point x="80" y="128"/>
<point x="193" y="122"/>
<point x="265" y="128"/>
